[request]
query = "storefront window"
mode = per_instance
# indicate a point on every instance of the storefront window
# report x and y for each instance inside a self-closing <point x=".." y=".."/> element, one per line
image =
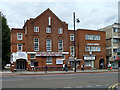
<point x="87" y="63"/>
<point x="48" y="60"/>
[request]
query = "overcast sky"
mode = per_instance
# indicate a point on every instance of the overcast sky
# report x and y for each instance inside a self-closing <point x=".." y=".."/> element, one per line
<point x="92" y="15"/>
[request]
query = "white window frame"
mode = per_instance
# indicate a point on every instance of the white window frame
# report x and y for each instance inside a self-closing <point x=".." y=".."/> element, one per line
<point x="36" y="43"/>
<point x="18" y="47"/>
<point x="36" y="29"/>
<point x="50" y="47"/>
<point x="49" y="21"/>
<point x="59" y="45"/>
<point x="96" y="48"/>
<point x="92" y="37"/>
<point x="60" y="31"/>
<point x="19" y="36"/>
<point x="72" y="54"/>
<point x="48" y="30"/>
<point x="31" y="57"/>
<point x="71" y="36"/>
<point x="49" y="58"/>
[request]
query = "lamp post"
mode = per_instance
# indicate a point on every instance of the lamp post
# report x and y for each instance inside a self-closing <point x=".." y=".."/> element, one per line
<point x="74" y="40"/>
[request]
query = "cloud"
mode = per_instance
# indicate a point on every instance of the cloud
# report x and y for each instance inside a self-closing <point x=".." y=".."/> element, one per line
<point x="93" y="15"/>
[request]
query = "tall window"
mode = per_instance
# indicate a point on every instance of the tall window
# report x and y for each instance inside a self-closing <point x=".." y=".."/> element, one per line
<point x="36" y="29"/>
<point x="48" y="45"/>
<point x="92" y="48"/>
<point x="36" y="44"/>
<point x="60" y="45"/>
<point x="48" y="60"/>
<point x="92" y="37"/>
<point x="25" y="30"/>
<point x="49" y="21"/>
<point x="19" y="47"/>
<point x="19" y="36"/>
<point x="71" y="37"/>
<point x="60" y="31"/>
<point x="72" y="50"/>
<point x="48" y="29"/>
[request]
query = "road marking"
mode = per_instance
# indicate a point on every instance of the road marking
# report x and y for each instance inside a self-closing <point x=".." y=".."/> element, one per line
<point x="98" y="85"/>
<point x="113" y="86"/>
<point x="78" y="86"/>
<point x="89" y="86"/>
<point x="67" y="87"/>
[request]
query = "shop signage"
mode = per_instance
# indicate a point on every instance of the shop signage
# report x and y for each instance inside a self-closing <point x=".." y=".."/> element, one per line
<point x="92" y="43"/>
<point x="48" y="53"/>
<point x="21" y="55"/>
<point x="89" y="57"/>
<point x="59" y="61"/>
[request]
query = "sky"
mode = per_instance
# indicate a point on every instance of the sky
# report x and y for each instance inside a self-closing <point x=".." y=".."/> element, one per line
<point x="92" y="14"/>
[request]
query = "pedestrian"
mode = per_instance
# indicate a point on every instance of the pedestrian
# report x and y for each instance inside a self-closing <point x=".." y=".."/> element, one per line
<point x="109" y="66"/>
<point x="82" y="67"/>
<point x="66" y="67"/>
<point x="46" y="68"/>
<point x="63" y="67"/>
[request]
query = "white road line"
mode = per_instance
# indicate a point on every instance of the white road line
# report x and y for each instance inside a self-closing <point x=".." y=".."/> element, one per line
<point x="98" y="85"/>
<point x="78" y="86"/>
<point x="67" y="87"/>
<point x="89" y="86"/>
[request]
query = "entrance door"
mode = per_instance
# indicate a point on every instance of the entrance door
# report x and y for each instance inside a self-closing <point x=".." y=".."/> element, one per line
<point x="21" y="64"/>
<point x="92" y="64"/>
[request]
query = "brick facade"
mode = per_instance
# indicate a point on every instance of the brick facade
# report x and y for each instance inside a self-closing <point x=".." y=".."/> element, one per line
<point x="27" y="42"/>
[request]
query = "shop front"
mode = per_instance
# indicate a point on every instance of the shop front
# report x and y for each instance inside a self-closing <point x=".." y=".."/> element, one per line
<point x="19" y="61"/>
<point x="89" y="61"/>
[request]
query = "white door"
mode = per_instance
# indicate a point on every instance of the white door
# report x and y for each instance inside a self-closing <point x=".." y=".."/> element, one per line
<point x="92" y="64"/>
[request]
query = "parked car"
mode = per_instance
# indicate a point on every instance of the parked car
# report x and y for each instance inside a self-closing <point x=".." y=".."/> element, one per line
<point x="7" y="66"/>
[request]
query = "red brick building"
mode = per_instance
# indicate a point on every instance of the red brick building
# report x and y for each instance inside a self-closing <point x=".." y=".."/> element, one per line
<point x="46" y="40"/>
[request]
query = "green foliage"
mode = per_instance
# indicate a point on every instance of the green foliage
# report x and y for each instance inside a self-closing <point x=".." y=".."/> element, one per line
<point x="5" y="41"/>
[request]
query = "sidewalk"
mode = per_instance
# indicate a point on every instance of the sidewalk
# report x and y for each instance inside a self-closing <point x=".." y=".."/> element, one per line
<point x="56" y="72"/>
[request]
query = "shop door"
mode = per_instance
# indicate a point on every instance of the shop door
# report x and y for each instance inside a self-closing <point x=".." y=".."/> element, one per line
<point x="21" y="64"/>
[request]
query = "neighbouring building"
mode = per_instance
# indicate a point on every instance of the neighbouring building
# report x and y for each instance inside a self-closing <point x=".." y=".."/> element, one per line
<point x="90" y="48"/>
<point x="46" y="40"/>
<point x="112" y="44"/>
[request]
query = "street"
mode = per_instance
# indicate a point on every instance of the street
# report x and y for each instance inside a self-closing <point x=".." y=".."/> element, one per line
<point x="82" y="80"/>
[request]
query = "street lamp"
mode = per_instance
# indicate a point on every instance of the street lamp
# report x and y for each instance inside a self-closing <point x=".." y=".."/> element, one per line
<point x="74" y="39"/>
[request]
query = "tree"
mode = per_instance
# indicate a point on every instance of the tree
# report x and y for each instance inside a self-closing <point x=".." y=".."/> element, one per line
<point x="5" y="42"/>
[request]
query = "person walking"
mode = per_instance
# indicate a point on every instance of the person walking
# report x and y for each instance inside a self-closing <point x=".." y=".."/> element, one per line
<point x="66" y="67"/>
<point x="46" y="69"/>
<point x="109" y="66"/>
<point x="63" y="67"/>
<point x="82" y="67"/>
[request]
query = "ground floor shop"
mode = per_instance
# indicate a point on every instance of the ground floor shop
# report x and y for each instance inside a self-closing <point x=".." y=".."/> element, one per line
<point x="37" y="61"/>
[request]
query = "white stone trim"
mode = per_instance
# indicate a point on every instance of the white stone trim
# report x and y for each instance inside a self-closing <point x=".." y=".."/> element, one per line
<point x="65" y="52"/>
<point x="31" y="52"/>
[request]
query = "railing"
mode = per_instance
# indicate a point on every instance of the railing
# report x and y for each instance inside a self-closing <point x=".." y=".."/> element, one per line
<point x="49" y="68"/>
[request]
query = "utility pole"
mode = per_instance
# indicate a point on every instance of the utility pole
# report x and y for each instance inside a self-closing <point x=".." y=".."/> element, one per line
<point x="74" y="43"/>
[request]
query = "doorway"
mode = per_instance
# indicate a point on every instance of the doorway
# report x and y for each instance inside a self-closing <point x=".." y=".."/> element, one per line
<point x="101" y="64"/>
<point x="21" y="64"/>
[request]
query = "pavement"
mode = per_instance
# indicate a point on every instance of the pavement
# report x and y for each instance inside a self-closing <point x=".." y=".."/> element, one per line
<point x="55" y="72"/>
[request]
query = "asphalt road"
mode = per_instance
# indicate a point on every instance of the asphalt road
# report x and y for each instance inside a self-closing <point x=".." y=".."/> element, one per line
<point x="83" y="80"/>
